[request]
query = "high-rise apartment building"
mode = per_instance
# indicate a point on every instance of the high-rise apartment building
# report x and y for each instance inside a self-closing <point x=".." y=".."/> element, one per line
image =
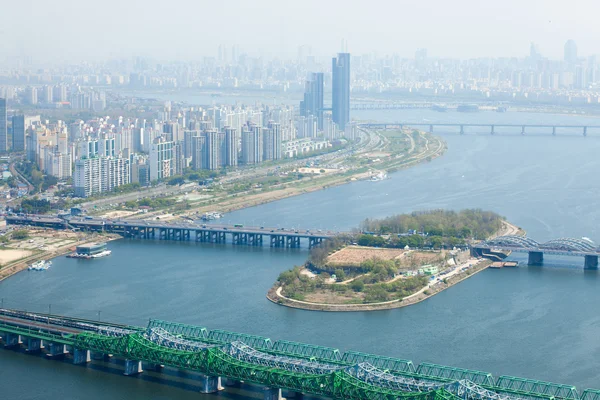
<point x="197" y="151"/>
<point x="252" y="146"/>
<point x="161" y="159"/>
<point x="99" y="174"/>
<point x="211" y="149"/>
<point x="272" y="142"/>
<point x="231" y="146"/>
<point x="3" y="127"/>
<point x="313" y="98"/>
<point x="340" y="96"/>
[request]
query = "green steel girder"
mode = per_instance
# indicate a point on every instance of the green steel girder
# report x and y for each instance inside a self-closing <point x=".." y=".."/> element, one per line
<point x="348" y="387"/>
<point x="538" y="387"/>
<point x="221" y="364"/>
<point x="442" y="371"/>
<point x="189" y="331"/>
<point x="381" y="362"/>
<point x="136" y="347"/>
<point x="307" y="351"/>
<point x="37" y="334"/>
<point x="225" y="337"/>
<point x="590" y="394"/>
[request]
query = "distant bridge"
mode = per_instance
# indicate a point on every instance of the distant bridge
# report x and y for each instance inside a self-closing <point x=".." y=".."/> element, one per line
<point x="491" y="128"/>
<point x="564" y="247"/>
<point x="191" y="231"/>
<point x="219" y="357"/>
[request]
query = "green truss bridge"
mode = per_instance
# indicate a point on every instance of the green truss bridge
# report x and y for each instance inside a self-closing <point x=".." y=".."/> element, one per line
<point x="219" y="358"/>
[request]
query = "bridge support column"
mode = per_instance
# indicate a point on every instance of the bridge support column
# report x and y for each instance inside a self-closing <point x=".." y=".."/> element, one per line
<point x="585" y="131"/>
<point x="146" y="366"/>
<point x="462" y="129"/>
<point x="56" y="350"/>
<point x="536" y="258"/>
<point x="523" y="130"/>
<point x="430" y="128"/>
<point x="591" y="262"/>
<point x="209" y="384"/>
<point x="272" y="394"/>
<point x="81" y="356"/>
<point x="492" y="132"/>
<point x="133" y="367"/>
<point x="34" y="345"/>
<point x="11" y="339"/>
<point x="230" y="382"/>
<point x="553" y="131"/>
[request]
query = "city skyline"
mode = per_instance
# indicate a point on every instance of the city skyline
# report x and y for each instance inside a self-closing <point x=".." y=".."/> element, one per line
<point x="464" y="29"/>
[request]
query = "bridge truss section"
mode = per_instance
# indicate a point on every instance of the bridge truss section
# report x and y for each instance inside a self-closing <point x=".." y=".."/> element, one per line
<point x="381" y="362"/>
<point x="513" y="241"/>
<point x="570" y="244"/>
<point x="453" y="373"/>
<point x="245" y="353"/>
<point x="309" y="351"/>
<point x="535" y="387"/>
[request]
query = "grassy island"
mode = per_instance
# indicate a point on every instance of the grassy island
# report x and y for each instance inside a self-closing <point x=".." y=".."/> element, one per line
<point x="393" y="262"/>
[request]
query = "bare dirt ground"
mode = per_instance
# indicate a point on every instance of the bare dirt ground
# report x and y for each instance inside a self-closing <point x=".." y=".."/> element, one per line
<point x="9" y="255"/>
<point x="355" y="255"/>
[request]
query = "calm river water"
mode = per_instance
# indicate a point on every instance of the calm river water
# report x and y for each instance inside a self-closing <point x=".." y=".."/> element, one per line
<point x="539" y="322"/>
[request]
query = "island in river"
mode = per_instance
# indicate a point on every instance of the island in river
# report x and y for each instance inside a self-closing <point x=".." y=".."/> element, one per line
<point x="385" y="269"/>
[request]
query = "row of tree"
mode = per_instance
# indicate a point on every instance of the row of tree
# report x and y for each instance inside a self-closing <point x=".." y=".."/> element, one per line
<point x="465" y="224"/>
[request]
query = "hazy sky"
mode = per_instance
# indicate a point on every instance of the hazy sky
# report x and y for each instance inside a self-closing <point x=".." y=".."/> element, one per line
<point x="189" y="29"/>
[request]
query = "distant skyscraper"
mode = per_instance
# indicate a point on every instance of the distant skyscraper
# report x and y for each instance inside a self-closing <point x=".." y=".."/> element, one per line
<point x="231" y="146"/>
<point x="313" y="98"/>
<point x="571" y="52"/>
<point x="341" y="90"/>
<point x="18" y="137"/>
<point x="3" y="127"/>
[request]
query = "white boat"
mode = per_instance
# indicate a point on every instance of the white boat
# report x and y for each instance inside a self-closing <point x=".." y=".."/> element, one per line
<point x="379" y="177"/>
<point x="102" y="254"/>
<point x="40" y="265"/>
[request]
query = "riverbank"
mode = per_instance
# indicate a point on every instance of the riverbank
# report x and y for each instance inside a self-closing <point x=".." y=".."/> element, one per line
<point x="437" y="284"/>
<point x="430" y="148"/>
<point x="23" y="263"/>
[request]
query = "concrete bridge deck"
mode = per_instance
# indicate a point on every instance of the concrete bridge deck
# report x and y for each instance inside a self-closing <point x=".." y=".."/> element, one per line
<point x="493" y="129"/>
<point x="190" y="231"/>
<point x="219" y="356"/>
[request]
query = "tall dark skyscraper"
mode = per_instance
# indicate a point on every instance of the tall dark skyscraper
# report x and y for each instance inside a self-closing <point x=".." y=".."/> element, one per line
<point x="340" y="96"/>
<point x="3" y="127"/>
<point x="313" y="98"/>
<point x="18" y="136"/>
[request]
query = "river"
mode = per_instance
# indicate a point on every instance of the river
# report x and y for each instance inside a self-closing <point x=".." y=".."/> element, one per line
<point x="532" y="322"/>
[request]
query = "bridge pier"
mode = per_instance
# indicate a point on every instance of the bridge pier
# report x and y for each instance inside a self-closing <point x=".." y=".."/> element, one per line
<point x="230" y="382"/>
<point x="591" y="262"/>
<point x="133" y="367"/>
<point x="536" y="258"/>
<point x="462" y="129"/>
<point x="492" y="132"/>
<point x="272" y="394"/>
<point x="554" y="131"/>
<point x="523" y="130"/>
<point x="430" y="128"/>
<point x="12" y="339"/>
<point x="209" y="384"/>
<point x="312" y="242"/>
<point x="585" y="131"/>
<point x="81" y="356"/>
<point x="56" y="350"/>
<point x="34" y="345"/>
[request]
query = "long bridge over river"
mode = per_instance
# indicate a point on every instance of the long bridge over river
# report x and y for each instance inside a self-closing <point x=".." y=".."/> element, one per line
<point x="181" y="231"/>
<point x="462" y="128"/>
<point x="565" y="247"/>
<point x="218" y="358"/>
